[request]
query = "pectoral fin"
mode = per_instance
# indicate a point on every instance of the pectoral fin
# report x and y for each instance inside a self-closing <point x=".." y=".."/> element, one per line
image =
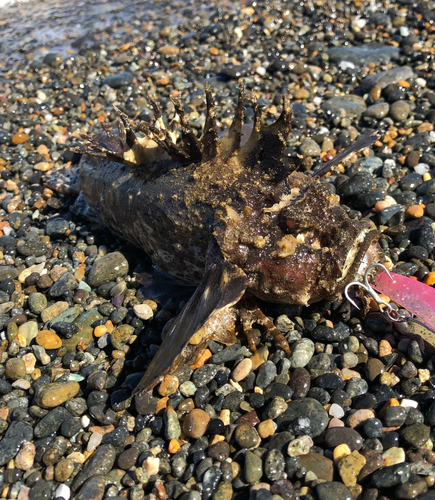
<point x="222" y="286"/>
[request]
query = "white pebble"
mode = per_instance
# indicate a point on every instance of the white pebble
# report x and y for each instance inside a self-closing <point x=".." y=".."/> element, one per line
<point x="152" y="464"/>
<point x="404" y="31"/>
<point x="143" y="311"/>
<point x="94" y="441"/>
<point x="409" y="403"/>
<point x="346" y="65"/>
<point x="359" y="23"/>
<point x="63" y="491"/>
<point x="421" y="82"/>
<point x="336" y="411"/>
<point x="85" y="421"/>
<point x="422" y="168"/>
<point x="261" y="71"/>
<point x="389" y="162"/>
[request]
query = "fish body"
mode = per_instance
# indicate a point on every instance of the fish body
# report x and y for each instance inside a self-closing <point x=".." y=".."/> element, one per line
<point x="233" y="219"/>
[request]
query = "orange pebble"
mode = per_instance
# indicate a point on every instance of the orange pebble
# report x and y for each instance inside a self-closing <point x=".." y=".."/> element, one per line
<point x="381" y="205"/>
<point x="109" y="325"/>
<point x="174" y="446"/>
<point x="207" y="354"/>
<point x="388" y="404"/>
<point x="430" y="279"/>
<point x="162" y="404"/>
<point x="384" y="348"/>
<point x="341" y="451"/>
<point x="415" y="211"/>
<point x="100" y="330"/>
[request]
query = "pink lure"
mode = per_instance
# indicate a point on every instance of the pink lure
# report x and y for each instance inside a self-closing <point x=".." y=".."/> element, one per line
<point x="416" y="297"/>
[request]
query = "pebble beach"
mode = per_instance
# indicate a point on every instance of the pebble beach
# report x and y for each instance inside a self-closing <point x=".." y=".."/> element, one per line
<point x="349" y="414"/>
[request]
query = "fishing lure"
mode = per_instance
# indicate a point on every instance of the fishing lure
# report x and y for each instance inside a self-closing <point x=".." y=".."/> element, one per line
<point x="412" y="295"/>
<point x="239" y="221"/>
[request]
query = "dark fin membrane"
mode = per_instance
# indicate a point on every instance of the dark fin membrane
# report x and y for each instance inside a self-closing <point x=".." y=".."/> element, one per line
<point x="164" y="289"/>
<point x="64" y="180"/>
<point x="363" y="142"/>
<point x="266" y="145"/>
<point x="230" y="142"/>
<point x="222" y="286"/>
<point x="209" y="138"/>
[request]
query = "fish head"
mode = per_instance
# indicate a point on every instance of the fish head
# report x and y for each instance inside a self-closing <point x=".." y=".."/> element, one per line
<point x="301" y="249"/>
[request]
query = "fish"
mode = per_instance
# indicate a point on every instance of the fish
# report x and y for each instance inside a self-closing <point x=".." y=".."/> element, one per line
<point x="236" y="218"/>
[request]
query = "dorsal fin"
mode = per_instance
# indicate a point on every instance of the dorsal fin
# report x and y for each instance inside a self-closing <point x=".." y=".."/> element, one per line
<point x="250" y="152"/>
<point x="209" y="137"/>
<point x="189" y="142"/>
<point x="231" y="140"/>
<point x="273" y="139"/>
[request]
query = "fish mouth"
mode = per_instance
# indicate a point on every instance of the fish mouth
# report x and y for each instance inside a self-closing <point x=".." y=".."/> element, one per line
<point x="363" y="252"/>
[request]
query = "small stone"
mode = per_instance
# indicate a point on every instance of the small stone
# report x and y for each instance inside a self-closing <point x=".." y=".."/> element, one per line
<point x="333" y="490"/>
<point x="253" y="467"/>
<point x="108" y="268"/>
<point x="299" y="446"/>
<point x="48" y="340"/>
<point x="19" y="138"/>
<point x="16" y="434"/>
<point x="63" y="470"/>
<point x="143" y="311"/>
<point x="336" y="436"/>
<point x="54" y="311"/>
<point x="169" y="385"/>
<point x="128" y="458"/>
<point x="387" y="477"/>
<point x="400" y="110"/>
<point x="309" y="147"/>
<point x="394" y="456"/>
<point x="118" y="81"/>
<point x="359" y="417"/>
<point x="25" y="457"/>
<point x="15" y="368"/>
<point x="100" y="463"/>
<point x="172" y="426"/>
<point x="121" y="335"/>
<point x="28" y="331"/>
<point x="350" y="466"/>
<point x="242" y="370"/>
<point x="195" y="423"/>
<point x="246" y="436"/>
<point x="305" y="407"/>
<point x="266" y="428"/>
<point x="352" y="105"/>
<point x="415" y="435"/>
<point x="322" y="466"/>
<point x="54" y="394"/>
<point x="303" y="351"/>
<point x="37" y="302"/>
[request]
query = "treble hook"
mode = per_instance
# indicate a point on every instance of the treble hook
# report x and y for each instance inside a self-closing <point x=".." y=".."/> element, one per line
<point x="384" y="306"/>
<point x="368" y="288"/>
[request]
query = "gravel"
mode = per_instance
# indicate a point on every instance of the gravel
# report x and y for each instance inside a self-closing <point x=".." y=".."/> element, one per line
<point x="350" y="412"/>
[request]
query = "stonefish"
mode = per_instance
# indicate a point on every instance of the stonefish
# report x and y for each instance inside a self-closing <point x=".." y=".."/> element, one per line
<point x="239" y="221"/>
